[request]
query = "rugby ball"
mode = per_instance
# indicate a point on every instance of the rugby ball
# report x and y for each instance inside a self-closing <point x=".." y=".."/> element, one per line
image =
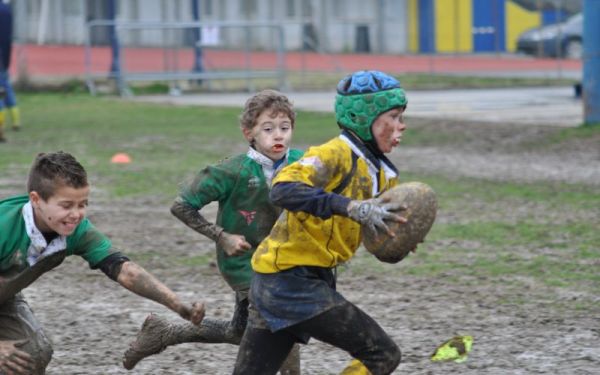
<point x="420" y="207"/>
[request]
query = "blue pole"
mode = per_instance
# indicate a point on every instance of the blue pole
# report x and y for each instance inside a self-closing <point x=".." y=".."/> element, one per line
<point x="115" y="66"/>
<point x="591" y="62"/>
<point x="197" y="49"/>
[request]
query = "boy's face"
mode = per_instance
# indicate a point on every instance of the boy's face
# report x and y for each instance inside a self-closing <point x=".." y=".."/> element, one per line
<point x="62" y="212"/>
<point x="387" y="129"/>
<point x="271" y="134"/>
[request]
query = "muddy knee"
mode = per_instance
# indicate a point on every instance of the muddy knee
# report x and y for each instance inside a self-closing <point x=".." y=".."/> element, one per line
<point x="393" y="358"/>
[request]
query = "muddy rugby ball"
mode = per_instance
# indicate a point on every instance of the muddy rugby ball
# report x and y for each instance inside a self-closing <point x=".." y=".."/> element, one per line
<point x="420" y="205"/>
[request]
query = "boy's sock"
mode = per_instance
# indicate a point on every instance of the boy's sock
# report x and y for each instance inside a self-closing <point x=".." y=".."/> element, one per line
<point x="15" y="117"/>
<point x="2" y="139"/>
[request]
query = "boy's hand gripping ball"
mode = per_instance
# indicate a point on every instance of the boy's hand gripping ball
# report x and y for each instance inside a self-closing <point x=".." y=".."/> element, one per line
<point x="419" y="207"/>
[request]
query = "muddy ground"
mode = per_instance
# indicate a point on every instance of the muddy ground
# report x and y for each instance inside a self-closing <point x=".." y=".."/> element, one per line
<point x="91" y="319"/>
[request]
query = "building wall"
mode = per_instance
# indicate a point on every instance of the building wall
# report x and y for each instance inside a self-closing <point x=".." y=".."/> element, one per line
<point x="453" y="21"/>
<point x="520" y="20"/>
<point x="381" y="26"/>
<point x="329" y="25"/>
<point x="466" y="26"/>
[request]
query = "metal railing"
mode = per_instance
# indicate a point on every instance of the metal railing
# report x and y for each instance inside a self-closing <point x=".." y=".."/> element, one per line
<point x="171" y="71"/>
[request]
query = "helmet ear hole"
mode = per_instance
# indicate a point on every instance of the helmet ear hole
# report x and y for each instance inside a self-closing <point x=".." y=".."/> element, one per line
<point x="348" y="84"/>
<point x="377" y="82"/>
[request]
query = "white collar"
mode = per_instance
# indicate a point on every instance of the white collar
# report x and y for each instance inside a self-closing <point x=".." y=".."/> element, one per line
<point x="266" y="163"/>
<point x="39" y="248"/>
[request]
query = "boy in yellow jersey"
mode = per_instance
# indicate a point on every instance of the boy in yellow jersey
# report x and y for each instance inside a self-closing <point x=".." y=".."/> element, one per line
<point x="327" y="196"/>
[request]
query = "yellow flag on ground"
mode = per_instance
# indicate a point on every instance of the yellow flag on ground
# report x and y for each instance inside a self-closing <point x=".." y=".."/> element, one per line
<point x="456" y="349"/>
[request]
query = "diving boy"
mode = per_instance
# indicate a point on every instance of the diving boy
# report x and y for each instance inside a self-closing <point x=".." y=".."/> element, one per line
<point x="37" y="232"/>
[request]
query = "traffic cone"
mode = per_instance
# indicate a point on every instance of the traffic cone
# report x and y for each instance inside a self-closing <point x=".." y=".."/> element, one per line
<point x="120" y="158"/>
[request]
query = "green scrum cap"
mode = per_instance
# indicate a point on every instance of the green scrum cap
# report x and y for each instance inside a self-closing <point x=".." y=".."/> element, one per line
<point x="364" y="95"/>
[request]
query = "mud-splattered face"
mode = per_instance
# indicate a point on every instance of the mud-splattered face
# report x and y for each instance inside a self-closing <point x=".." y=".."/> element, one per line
<point x="387" y="129"/>
<point x="62" y="212"/>
<point x="272" y="134"/>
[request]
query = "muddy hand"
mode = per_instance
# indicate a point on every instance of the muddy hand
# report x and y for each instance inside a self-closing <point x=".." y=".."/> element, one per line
<point x="233" y="244"/>
<point x="193" y="313"/>
<point x="13" y="360"/>
<point x="373" y="213"/>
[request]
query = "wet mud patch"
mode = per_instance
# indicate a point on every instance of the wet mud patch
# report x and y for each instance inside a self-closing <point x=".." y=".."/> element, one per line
<point x="520" y="324"/>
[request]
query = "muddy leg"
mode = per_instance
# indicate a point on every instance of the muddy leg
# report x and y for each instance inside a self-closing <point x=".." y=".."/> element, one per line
<point x="17" y="322"/>
<point x="291" y="366"/>
<point x="157" y="334"/>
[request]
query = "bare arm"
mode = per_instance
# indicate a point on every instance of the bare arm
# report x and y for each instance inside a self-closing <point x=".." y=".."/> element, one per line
<point x="139" y="281"/>
<point x="232" y="244"/>
<point x="10" y="286"/>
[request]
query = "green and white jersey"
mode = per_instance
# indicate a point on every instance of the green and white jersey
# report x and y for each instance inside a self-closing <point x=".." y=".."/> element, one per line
<point x="241" y="186"/>
<point x="86" y="241"/>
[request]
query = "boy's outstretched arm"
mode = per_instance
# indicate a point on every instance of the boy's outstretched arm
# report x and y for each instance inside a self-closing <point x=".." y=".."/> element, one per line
<point x="141" y="282"/>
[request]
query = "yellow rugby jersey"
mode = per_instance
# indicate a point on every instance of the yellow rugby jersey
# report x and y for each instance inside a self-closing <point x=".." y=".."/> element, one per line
<point x="301" y="239"/>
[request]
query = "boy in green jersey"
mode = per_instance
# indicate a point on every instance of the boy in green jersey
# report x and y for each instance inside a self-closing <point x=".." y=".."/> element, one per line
<point x="37" y="232"/>
<point x="245" y="216"/>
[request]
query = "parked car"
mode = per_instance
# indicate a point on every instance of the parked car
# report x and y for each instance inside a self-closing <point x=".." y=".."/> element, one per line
<point x="557" y="40"/>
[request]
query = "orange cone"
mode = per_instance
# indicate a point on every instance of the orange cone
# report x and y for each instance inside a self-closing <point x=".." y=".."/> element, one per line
<point x="120" y="158"/>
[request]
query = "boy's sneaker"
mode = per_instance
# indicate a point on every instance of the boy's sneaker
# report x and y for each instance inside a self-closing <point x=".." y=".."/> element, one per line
<point x="148" y="341"/>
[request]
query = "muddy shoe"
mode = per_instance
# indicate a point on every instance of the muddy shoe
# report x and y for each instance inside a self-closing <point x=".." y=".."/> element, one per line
<point x="149" y="341"/>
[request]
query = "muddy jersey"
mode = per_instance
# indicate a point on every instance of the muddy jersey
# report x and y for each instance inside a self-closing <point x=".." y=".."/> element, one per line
<point x="240" y="186"/>
<point x="303" y="239"/>
<point x="85" y="241"/>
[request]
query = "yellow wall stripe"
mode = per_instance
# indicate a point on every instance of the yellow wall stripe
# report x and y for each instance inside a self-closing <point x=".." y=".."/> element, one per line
<point x="413" y="26"/>
<point x="519" y="19"/>
<point x="453" y="19"/>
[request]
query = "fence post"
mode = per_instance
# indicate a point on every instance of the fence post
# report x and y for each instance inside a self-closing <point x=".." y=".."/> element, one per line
<point x="591" y="62"/>
<point x="197" y="49"/>
<point x="115" y="66"/>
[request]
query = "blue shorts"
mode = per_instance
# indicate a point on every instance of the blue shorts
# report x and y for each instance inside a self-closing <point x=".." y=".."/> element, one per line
<point x="285" y="298"/>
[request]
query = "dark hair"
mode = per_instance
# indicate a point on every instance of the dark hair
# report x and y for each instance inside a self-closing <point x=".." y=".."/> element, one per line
<point x="266" y="99"/>
<point x="53" y="170"/>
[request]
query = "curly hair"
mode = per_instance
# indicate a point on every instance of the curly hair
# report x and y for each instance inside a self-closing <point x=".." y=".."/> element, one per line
<point x="266" y="99"/>
<point x="53" y="170"/>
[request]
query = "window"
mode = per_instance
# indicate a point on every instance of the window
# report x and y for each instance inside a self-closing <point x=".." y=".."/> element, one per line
<point x="307" y="10"/>
<point x="208" y="7"/>
<point x="291" y="8"/>
<point x="248" y="7"/>
<point x="72" y="7"/>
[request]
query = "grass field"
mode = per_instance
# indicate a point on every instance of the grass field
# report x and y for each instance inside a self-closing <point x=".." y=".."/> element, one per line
<point x="168" y="144"/>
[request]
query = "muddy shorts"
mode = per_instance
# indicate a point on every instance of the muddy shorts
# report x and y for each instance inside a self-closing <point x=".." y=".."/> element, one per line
<point x="17" y="322"/>
<point x="283" y="299"/>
